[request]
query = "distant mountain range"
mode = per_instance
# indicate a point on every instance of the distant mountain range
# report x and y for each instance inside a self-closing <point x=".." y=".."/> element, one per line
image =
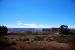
<point x="14" y="30"/>
<point x="56" y="29"/>
<point x="24" y="29"/>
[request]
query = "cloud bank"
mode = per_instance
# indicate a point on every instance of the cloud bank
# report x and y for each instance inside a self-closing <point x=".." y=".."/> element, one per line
<point x="22" y="25"/>
<point x="28" y="26"/>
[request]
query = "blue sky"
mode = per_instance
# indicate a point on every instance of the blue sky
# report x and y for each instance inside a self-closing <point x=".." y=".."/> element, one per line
<point x="37" y="12"/>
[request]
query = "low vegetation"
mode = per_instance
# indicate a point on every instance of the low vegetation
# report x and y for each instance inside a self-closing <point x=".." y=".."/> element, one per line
<point x="35" y="40"/>
<point x="7" y="42"/>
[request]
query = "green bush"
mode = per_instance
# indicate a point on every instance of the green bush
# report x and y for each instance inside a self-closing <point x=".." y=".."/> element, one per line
<point x="4" y="42"/>
<point x="12" y="42"/>
<point x="65" y="39"/>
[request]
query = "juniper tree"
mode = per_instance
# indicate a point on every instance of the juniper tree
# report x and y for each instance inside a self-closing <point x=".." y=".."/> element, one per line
<point x="63" y="29"/>
<point x="3" y="30"/>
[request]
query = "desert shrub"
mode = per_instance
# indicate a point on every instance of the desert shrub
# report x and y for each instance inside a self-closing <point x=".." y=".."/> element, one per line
<point x="22" y="48"/>
<point x="37" y="38"/>
<point x="26" y="39"/>
<point x="45" y="33"/>
<point x="4" y="42"/>
<point x="36" y="48"/>
<point x="4" y="38"/>
<point x="28" y="42"/>
<point x="49" y="39"/>
<point x="10" y="48"/>
<point x="65" y="38"/>
<point x="20" y="39"/>
<point x="36" y="33"/>
<point x="23" y="39"/>
<point x="12" y="42"/>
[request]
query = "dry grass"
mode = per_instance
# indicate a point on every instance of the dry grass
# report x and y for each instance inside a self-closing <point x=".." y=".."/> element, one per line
<point x="22" y="44"/>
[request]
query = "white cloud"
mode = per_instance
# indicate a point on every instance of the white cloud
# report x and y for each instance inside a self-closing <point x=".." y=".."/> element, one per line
<point x="34" y="26"/>
<point x="22" y="25"/>
<point x="19" y="23"/>
<point x="27" y="26"/>
<point x="71" y="26"/>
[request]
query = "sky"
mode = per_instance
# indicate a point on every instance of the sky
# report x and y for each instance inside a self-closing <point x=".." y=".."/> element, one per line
<point x="37" y="13"/>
